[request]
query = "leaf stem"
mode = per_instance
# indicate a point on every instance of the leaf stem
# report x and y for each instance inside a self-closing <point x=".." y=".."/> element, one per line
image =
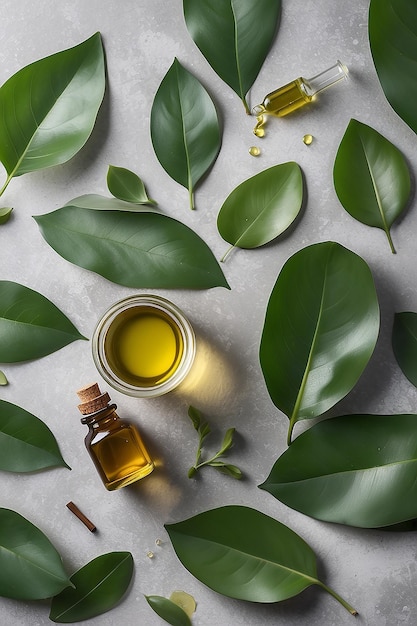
<point x="191" y="197"/>
<point x="336" y="596"/>
<point x="391" y="244"/>
<point x="8" y="179"/>
<point x="226" y="254"/>
<point x="245" y="104"/>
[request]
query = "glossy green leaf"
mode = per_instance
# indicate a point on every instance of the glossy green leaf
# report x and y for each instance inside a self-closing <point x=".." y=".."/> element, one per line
<point x="234" y="36"/>
<point x="320" y="330"/>
<point x="262" y="207"/>
<point x="31" y="326"/>
<point x="5" y="214"/>
<point x="102" y="203"/>
<point x="127" y="186"/>
<point x="168" y="611"/>
<point x="404" y="343"/>
<point x="244" y="554"/>
<point x="143" y="249"/>
<point x="26" y="443"/>
<point x="355" y="469"/>
<point x="371" y="177"/>
<point x="30" y="567"/>
<point x="3" y="379"/>
<point x="48" y="108"/>
<point x="392" y="30"/>
<point x="184" y="127"/>
<point x="98" y="587"/>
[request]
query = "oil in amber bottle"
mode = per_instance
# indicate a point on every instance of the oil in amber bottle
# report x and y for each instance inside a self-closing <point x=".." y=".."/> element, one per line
<point x="116" y="447"/>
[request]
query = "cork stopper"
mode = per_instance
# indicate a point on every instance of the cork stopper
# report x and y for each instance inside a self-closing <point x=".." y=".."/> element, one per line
<point x="92" y="399"/>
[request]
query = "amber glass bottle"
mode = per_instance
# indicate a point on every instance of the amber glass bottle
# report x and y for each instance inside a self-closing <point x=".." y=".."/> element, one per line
<point x="115" y="446"/>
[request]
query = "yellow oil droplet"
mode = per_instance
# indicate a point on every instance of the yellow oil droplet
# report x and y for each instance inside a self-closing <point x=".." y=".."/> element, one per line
<point x="185" y="601"/>
<point x="254" y="151"/>
<point x="158" y="542"/>
<point x="150" y="555"/>
<point x="259" y="129"/>
<point x="308" y="139"/>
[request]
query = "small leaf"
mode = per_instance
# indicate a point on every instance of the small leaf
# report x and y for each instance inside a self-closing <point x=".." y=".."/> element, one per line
<point x="204" y="430"/>
<point x="48" y="108"/>
<point x="244" y="554"/>
<point x="404" y="343"/>
<point x="371" y="177"/>
<point x="192" y="472"/>
<point x="141" y="249"/>
<point x="184" y="128"/>
<point x="127" y="186"/>
<point x="262" y="207"/>
<point x="3" y="379"/>
<point x="195" y="416"/>
<point x="5" y="214"/>
<point x="101" y="203"/>
<point x="26" y="443"/>
<point x="234" y="36"/>
<point x="355" y="469"/>
<point x="320" y="330"/>
<point x="30" y="325"/>
<point x="227" y="440"/>
<point x="230" y="470"/>
<point x="168" y="611"/>
<point x="392" y="29"/>
<point x="30" y="567"/>
<point x="98" y="587"/>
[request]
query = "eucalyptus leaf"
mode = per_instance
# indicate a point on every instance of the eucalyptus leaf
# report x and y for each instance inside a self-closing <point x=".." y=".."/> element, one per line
<point x="234" y="36"/>
<point x="244" y="554"/>
<point x="404" y="343"/>
<point x="5" y="214"/>
<point x="102" y="203"/>
<point x="3" y="379"/>
<point x="48" y="108"/>
<point x="127" y="186"/>
<point x="98" y="587"/>
<point x="320" y="329"/>
<point x="31" y="326"/>
<point x="185" y="129"/>
<point x="355" y="469"/>
<point x="392" y="28"/>
<point x="26" y="443"/>
<point x="371" y="177"/>
<point x="30" y="566"/>
<point x="142" y="249"/>
<point x="262" y="207"/>
<point x="168" y="611"/>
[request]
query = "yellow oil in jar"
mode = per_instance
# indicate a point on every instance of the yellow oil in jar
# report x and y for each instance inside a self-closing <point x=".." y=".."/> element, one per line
<point x="144" y="346"/>
<point x="287" y="99"/>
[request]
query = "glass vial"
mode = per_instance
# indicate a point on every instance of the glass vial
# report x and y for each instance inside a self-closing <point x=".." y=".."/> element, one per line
<point x="299" y="92"/>
<point x="116" y="447"/>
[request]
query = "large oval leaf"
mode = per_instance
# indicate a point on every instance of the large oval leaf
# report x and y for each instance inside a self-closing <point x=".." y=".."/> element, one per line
<point x="30" y="325"/>
<point x="371" y="177"/>
<point x="234" y="36"/>
<point x="26" y="443"/>
<point x="30" y="567"/>
<point x="393" y="40"/>
<point x="262" y="207"/>
<point x="320" y="329"/>
<point x="356" y="469"/>
<point x="404" y="343"/>
<point x="48" y="108"/>
<point x="144" y="249"/>
<point x="242" y="553"/>
<point x="184" y="127"/>
<point x="98" y="587"/>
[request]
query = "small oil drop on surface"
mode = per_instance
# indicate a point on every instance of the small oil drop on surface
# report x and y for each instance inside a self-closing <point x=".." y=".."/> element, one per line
<point x="254" y="151"/>
<point x="158" y="542"/>
<point x="308" y="139"/>
<point x="150" y="554"/>
<point x="259" y="130"/>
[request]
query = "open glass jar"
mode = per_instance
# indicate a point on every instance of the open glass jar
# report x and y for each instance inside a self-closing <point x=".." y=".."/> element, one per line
<point x="144" y="346"/>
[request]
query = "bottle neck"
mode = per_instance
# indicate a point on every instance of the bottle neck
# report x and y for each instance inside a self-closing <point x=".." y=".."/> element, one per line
<point x="108" y="413"/>
<point x="325" y="79"/>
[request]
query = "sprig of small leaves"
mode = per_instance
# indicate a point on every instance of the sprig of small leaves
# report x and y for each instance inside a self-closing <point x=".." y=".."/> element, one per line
<point x="203" y="430"/>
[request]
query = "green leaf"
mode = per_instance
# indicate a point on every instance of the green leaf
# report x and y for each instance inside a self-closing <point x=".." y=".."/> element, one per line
<point x="26" y="443"/>
<point x="168" y="611"/>
<point x="98" y="587"/>
<point x="48" y="108"/>
<point x="30" y="567"/>
<point x="356" y="469"/>
<point x="195" y="416"/>
<point x="404" y="343"/>
<point x="5" y="214"/>
<point x="142" y="249"/>
<point x="229" y="470"/>
<point x="371" y="177"/>
<point x="320" y="330"/>
<point x="30" y="325"/>
<point x="392" y="30"/>
<point x="3" y="379"/>
<point x="234" y="36"/>
<point x="227" y="440"/>
<point x="127" y="186"/>
<point x="184" y="127"/>
<point x="244" y="554"/>
<point x="102" y="203"/>
<point x="262" y="207"/>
